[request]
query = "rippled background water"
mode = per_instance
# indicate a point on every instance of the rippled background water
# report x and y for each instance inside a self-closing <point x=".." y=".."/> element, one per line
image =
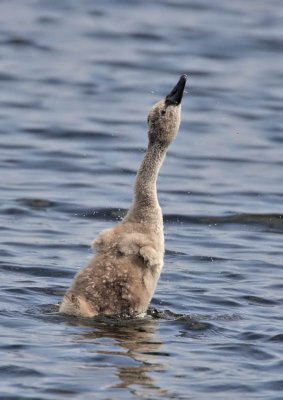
<point x="76" y="82"/>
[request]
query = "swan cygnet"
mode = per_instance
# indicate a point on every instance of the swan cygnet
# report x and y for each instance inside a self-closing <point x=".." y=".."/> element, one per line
<point x="121" y="278"/>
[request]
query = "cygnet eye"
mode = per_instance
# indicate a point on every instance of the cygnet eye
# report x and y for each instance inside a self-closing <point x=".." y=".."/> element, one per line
<point x="163" y="112"/>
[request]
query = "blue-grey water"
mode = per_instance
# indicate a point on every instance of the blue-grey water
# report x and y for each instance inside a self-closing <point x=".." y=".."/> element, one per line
<point x="77" y="79"/>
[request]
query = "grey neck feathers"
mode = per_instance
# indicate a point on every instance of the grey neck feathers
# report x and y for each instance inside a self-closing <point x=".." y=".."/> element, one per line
<point x="145" y="206"/>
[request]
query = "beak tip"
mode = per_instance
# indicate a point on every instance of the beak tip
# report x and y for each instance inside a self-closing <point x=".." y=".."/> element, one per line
<point x="176" y="95"/>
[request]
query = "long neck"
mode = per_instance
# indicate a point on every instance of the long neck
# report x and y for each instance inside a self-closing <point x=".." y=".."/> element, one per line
<point x="145" y="205"/>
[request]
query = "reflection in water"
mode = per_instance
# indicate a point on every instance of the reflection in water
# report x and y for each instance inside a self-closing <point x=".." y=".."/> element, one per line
<point x="138" y="341"/>
<point x="143" y="348"/>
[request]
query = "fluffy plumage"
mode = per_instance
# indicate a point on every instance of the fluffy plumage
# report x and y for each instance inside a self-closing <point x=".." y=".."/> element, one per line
<point x="122" y="276"/>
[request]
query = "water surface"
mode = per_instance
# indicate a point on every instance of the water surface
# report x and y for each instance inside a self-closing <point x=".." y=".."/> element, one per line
<point x="76" y="82"/>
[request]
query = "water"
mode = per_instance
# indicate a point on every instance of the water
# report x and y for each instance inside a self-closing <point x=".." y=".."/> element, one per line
<point x="76" y="82"/>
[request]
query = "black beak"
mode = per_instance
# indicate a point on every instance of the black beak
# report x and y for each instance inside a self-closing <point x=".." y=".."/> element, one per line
<point x="175" y="96"/>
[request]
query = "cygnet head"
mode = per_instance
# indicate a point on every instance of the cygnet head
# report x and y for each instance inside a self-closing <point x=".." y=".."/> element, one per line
<point x="165" y="116"/>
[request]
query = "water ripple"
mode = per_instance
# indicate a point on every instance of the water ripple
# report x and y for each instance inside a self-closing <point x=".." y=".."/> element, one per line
<point x="77" y="80"/>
